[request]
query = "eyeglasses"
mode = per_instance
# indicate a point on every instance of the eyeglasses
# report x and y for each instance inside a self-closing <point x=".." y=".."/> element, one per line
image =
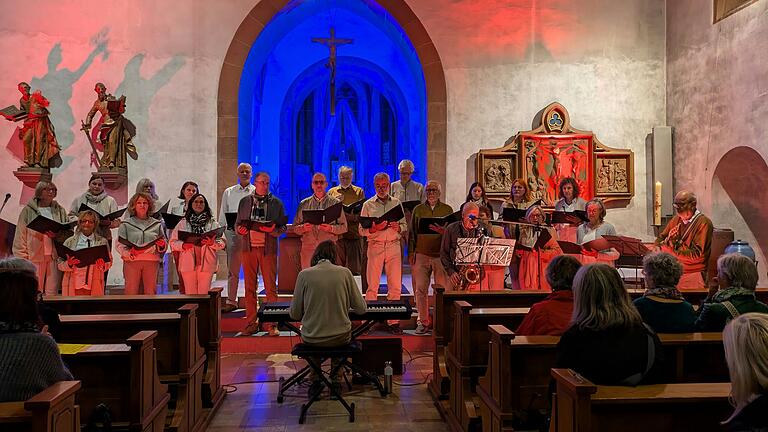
<point x="262" y="182"/>
<point x="432" y="190"/>
<point x="318" y="181"/>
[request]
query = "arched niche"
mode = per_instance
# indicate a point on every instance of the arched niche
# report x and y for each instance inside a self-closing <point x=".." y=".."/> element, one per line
<point x="229" y="121"/>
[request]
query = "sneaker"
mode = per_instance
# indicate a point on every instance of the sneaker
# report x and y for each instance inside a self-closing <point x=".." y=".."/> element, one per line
<point x="421" y="329"/>
<point x="251" y="328"/>
<point x="273" y="331"/>
<point x="228" y="307"/>
<point x="395" y="329"/>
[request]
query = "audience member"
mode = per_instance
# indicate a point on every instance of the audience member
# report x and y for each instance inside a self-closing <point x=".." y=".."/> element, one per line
<point x="662" y="306"/>
<point x="29" y="358"/>
<point x="736" y="281"/>
<point x="553" y="315"/>
<point x="746" y="351"/>
<point x="607" y="341"/>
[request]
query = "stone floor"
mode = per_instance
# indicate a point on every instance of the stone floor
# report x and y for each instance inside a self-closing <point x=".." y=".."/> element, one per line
<point x="251" y="404"/>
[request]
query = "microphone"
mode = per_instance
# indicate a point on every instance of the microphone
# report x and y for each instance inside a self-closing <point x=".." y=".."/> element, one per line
<point x="5" y="201"/>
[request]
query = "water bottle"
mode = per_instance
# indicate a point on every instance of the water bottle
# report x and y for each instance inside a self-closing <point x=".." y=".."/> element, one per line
<point x="387" y="377"/>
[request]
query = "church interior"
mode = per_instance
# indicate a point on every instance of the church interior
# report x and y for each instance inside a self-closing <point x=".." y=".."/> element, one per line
<point x="647" y="106"/>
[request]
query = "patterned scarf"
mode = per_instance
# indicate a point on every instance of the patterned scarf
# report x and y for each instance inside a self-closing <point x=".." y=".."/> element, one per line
<point x="731" y="292"/>
<point x="665" y="292"/>
<point x="198" y="221"/>
<point x="90" y="198"/>
<point x="14" y="327"/>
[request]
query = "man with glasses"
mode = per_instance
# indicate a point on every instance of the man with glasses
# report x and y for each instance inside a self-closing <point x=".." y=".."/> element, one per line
<point x="350" y="245"/>
<point x="230" y="200"/>
<point x="259" y="242"/>
<point x="313" y="235"/>
<point x="384" y="245"/>
<point x="424" y="252"/>
<point x="688" y="236"/>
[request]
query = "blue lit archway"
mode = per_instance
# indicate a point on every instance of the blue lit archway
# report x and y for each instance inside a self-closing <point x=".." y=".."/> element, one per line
<point x="284" y="126"/>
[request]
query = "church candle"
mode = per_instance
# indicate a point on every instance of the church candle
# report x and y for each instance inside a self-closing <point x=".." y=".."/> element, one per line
<point x="657" y="204"/>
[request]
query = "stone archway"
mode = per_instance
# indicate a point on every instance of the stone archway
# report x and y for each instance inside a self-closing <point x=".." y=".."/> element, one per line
<point x="248" y="32"/>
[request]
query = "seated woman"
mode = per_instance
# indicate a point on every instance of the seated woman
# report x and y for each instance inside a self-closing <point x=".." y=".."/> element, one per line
<point x="552" y="316"/>
<point x="607" y="341"/>
<point x="745" y="340"/>
<point x="593" y="229"/>
<point x="87" y="280"/>
<point x="534" y="262"/>
<point x="477" y="195"/>
<point x="140" y="265"/>
<point x="662" y="306"/>
<point x="569" y="202"/>
<point x="197" y="263"/>
<point x="736" y="280"/>
<point x="30" y="360"/>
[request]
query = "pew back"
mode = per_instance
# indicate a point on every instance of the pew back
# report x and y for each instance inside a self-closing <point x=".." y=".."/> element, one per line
<point x="51" y="410"/>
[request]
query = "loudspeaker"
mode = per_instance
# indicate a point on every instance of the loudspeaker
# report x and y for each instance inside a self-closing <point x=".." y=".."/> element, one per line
<point x="663" y="167"/>
<point x="376" y="351"/>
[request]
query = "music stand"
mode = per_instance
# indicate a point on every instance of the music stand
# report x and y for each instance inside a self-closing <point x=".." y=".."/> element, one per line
<point x="483" y="251"/>
<point x="632" y="248"/>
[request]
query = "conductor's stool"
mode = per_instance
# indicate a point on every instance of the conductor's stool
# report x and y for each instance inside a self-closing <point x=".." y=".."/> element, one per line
<point x="315" y="357"/>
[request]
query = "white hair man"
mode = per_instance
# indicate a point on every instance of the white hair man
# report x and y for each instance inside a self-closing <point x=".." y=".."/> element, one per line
<point x="424" y="252"/>
<point x="230" y="199"/>
<point x="384" y="244"/>
<point x="350" y="244"/>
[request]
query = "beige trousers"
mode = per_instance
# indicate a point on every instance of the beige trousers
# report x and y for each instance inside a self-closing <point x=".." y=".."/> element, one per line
<point x="425" y="267"/>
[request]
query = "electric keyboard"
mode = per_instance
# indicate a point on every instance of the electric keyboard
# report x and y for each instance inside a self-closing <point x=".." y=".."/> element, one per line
<point x="376" y="311"/>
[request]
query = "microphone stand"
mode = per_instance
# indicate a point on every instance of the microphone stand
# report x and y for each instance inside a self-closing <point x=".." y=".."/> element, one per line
<point x="537" y="230"/>
<point x="481" y="238"/>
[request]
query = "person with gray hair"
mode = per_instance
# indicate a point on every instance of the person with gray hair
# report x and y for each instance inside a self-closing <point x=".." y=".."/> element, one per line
<point x="552" y="316"/>
<point x="662" y="306"/>
<point x="424" y="252"/>
<point x="607" y="342"/>
<point x="38" y="247"/>
<point x="688" y="236"/>
<point x="384" y="244"/>
<point x="733" y="295"/>
<point x="596" y="227"/>
<point x="407" y="189"/>
<point x="230" y="199"/>
<point x="350" y="244"/>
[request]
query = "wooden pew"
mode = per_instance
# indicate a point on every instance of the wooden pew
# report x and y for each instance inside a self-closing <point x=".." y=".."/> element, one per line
<point x="467" y="358"/>
<point x="443" y="317"/>
<point x="581" y="406"/>
<point x="51" y="410"/>
<point x="208" y="320"/>
<point x="125" y="378"/>
<point x="518" y="372"/>
<point x="180" y="359"/>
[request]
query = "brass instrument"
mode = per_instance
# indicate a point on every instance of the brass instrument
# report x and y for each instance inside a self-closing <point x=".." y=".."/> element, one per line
<point x="470" y="275"/>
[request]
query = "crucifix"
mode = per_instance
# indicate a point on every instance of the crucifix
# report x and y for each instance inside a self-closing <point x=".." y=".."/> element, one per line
<point x="331" y="43"/>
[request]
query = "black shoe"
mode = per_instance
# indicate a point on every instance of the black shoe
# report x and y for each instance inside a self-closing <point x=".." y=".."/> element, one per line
<point x="395" y="329"/>
<point x="316" y="388"/>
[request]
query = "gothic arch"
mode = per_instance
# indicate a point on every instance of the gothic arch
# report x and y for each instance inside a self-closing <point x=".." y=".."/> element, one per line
<point x="247" y="33"/>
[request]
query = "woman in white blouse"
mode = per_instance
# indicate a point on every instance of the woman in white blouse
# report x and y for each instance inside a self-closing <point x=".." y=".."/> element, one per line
<point x="596" y="227"/>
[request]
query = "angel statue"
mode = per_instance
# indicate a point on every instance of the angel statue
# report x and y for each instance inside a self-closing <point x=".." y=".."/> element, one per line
<point x="41" y="150"/>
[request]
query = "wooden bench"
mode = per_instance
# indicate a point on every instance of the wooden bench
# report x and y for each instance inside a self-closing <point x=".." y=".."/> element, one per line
<point x="581" y="406"/>
<point x="124" y="377"/>
<point x="180" y="359"/>
<point x="208" y="328"/>
<point x="51" y="410"/>
<point x="518" y="372"/>
<point x="467" y="358"/>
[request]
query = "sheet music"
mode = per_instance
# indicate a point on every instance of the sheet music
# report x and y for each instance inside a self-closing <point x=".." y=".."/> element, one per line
<point x="490" y="251"/>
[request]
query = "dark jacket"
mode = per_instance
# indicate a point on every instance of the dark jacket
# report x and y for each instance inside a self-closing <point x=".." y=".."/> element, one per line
<point x="274" y="211"/>
<point x="752" y="418"/>
<point x="453" y="232"/>
<point x="608" y="357"/>
<point x="714" y="315"/>
<point x="666" y="316"/>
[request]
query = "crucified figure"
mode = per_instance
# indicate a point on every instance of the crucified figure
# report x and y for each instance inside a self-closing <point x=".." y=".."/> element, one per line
<point x="331" y="43"/>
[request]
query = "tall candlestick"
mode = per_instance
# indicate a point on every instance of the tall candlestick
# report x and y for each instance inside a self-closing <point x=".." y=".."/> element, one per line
<point x="657" y="204"/>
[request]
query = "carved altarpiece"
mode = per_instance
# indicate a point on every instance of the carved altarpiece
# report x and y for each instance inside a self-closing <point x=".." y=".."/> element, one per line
<point x="552" y="151"/>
